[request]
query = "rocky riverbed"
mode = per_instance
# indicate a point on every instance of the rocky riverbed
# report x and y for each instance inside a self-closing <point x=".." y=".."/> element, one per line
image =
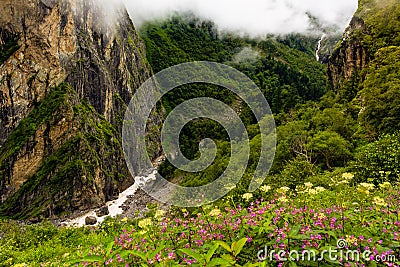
<point x="131" y="203"/>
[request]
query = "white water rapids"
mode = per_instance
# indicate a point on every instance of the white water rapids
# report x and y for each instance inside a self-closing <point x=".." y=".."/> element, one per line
<point x="114" y="206"/>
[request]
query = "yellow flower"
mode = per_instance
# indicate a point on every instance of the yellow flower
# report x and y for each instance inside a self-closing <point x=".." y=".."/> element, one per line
<point x="363" y="190"/>
<point x="283" y="189"/>
<point x="184" y="210"/>
<point x="124" y="219"/>
<point x="347" y="176"/>
<point x="385" y="185"/>
<point x="379" y="201"/>
<point x="308" y="185"/>
<point x="265" y="188"/>
<point x="367" y="186"/>
<point x="247" y="196"/>
<point x="145" y="223"/>
<point x="351" y="240"/>
<point x="283" y="199"/>
<point x="312" y="191"/>
<point x="320" y="189"/>
<point x="300" y="189"/>
<point x="215" y="212"/>
<point x="159" y="214"/>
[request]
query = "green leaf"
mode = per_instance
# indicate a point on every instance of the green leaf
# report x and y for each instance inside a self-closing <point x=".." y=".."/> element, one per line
<point x="109" y="248"/>
<point x="295" y="230"/>
<point x="395" y="244"/>
<point x="238" y="246"/>
<point x="125" y="253"/>
<point x="259" y="264"/>
<point x="224" y="245"/>
<point x="140" y="255"/>
<point x="192" y="254"/>
<point x="115" y="252"/>
<point x="296" y="237"/>
<point x="211" y="252"/>
<point x="228" y="258"/>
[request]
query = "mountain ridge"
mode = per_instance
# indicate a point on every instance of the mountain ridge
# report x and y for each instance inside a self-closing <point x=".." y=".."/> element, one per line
<point x="49" y="43"/>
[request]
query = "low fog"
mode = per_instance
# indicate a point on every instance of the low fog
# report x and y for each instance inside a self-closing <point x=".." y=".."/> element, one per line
<point x="251" y="17"/>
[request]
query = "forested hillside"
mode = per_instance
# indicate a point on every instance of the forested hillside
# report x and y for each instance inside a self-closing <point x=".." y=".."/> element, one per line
<point x="317" y="133"/>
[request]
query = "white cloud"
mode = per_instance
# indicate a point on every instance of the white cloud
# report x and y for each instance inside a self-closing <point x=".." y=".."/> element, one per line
<point x="254" y="17"/>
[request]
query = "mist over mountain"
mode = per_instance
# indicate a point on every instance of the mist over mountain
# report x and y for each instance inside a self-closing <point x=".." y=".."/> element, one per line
<point x="253" y="18"/>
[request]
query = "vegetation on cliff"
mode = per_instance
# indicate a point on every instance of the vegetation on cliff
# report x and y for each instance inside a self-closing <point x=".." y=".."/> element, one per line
<point x="60" y="148"/>
<point x="8" y="45"/>
<point x="77" y="142"/>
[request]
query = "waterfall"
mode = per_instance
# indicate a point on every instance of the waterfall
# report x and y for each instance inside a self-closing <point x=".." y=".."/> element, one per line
<point x="319" y="46"/>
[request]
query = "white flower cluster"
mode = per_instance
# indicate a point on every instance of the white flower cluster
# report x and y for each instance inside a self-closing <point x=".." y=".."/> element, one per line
<point x="283" y="190"/>
<point x="247" y="196"/>
<point x="308" y="189"/>
<point x="378" y="201"/>
<point x="365" y="188"/>
<point x="345" y="179"/>
<point x="385" y="185"/>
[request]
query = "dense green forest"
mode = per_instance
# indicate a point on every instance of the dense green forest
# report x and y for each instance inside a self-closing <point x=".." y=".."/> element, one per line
<point x="320" y="134"/>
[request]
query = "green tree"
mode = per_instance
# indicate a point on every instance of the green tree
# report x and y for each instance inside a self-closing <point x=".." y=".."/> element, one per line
<point x="330" y="147"/>
<point x="292" y="142"/>
<point x="336" y="120"/>
<point x="296" y="171"/>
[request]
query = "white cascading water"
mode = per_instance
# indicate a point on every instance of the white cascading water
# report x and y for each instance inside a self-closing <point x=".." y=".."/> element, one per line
<point x="319" y="46"/>
<point x="114" y="207"/>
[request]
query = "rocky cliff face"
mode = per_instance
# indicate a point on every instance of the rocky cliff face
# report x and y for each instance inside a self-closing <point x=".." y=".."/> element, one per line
<point x="60" y="145"/>
<point x="350" y="56"/>
<point x="364" y="69"/>
<point x="68" y="41"/>
<point x="375" y="26"/>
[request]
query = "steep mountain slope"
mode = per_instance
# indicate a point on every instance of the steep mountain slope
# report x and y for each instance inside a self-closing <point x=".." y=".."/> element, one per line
<point x="283" y="67"/>
<point x="364" y="68"/>
<point x="375" y="25"/>
<point x="60" y="144"/>
<point x="64" y="156"/>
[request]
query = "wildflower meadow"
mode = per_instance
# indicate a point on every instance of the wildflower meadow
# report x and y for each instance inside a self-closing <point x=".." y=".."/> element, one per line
<point x="344" y="224"/>
<point x="358" y="225"/>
